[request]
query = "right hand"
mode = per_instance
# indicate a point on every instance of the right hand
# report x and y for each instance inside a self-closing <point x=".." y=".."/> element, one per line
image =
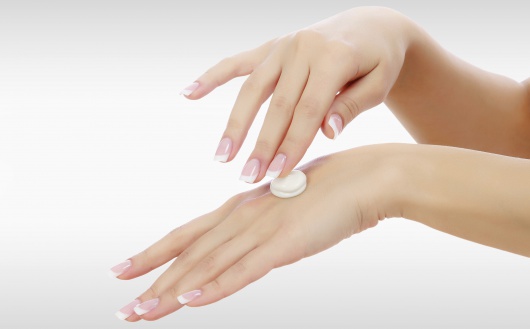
<point x="322" y="76"/>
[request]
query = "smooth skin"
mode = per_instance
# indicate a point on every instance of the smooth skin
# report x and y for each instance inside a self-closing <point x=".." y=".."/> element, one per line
<point x="479" y="196"/>
<point x="368" y="55"/>
<point x="475" y="195"/>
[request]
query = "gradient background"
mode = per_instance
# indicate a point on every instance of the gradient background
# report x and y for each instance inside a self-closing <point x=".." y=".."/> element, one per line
<point x="100" y="157"/>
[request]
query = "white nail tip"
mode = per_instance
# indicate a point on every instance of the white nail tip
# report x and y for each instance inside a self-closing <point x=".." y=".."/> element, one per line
<point x="183" y="300"/>
<point x="189" y="296"/>
<point x="190" y="89"/>
<point x="290" y="186"/>
<point x="122" y="316"/>
<point x="113" y="274"/>
<point x="221" y="158"/>
<point x="273" y="174"/>
<point x="248" y="179"/>
<point x="333" y="126"/>
<point x="140" y="311"/>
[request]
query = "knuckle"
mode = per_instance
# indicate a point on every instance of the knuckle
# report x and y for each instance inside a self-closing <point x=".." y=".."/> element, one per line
<point x="175" y="235"/>
<point x="310" y="107"/>
<point x="281" y="104"/>
<point x="295" y="143"/>
<point x="218" y="287"/>
<point x="174" y="292"/>
<point x="351" y="106"/>
<point x="207" y="264"/>
<point x="242" y="273"/>
<point x="338" y="52"/>
<point x="240" y="268"/>
<point x="227" y="61"/>
<point x="306" y="38"/>
<point x="151" y="292"/>
<point x="253" y="83"/>
<point x="234" y="125"/>
<point x="244" y="211"/>
<point x="184" y="256"/>
<point x="145" y="257"/>
<point x="235" y="200"/>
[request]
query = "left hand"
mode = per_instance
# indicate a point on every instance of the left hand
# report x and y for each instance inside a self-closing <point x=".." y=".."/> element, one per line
<point x="252" y="233"/>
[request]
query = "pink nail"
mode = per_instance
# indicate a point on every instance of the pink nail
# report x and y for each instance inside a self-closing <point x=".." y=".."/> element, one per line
<point x="146" y="306"/>
<point x="127" y="310"/>
<point x="120" y="269"/>
<point x="335" y="122"/>
<point x="189" y="296"/>
<point x="223" y="150"/>
<point x="276" y="166"/>
<point x="190" y="89"/>
<point x="250" y="171"/>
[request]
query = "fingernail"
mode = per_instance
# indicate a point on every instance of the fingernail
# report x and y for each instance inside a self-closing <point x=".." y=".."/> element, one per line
<point x="335" y="122"/>
<point x="189" y="296"/>
<point x="223" y="150"/>
<point x="127" y="310"/>
<point x="276" y="166"/>
<point x="147" y="306"/>
<point x="250" y="171"/>
<point x="120" y="269"/>
<point x="190" y="89"/>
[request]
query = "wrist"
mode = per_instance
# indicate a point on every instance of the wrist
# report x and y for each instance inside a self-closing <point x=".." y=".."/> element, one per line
<point x="389" y="170"/>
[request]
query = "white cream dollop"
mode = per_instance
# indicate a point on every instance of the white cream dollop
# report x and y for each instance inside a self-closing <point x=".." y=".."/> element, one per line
<point x="290" y="186"/>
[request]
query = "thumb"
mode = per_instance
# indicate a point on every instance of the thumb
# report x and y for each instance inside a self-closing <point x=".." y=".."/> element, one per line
<point x="357" y="97"/>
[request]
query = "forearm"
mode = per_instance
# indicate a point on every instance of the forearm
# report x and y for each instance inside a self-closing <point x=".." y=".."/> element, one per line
<point x="441" y="99"/>
<point x="477" y="196"/>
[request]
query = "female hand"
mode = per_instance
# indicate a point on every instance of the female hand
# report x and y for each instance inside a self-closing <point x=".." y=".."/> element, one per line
<point x="221" y="252"/>
<point x="321" y="76"/>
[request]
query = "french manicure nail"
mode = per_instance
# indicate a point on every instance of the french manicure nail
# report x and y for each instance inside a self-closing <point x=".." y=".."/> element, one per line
<point x="190" y="89"/>
<point x="223" y="150"/>
<point x="335" y="122"/>
<point x="189" y="296"/>
<point x="127" y="310"/>
<point x="120" y="269"/>
<point x="147" y="306"/>
<point x="276" y="166"/>
<point x="250" y="171"/>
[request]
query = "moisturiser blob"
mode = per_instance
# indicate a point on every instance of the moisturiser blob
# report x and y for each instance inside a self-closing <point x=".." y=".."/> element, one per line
<point x="289" y="186"/>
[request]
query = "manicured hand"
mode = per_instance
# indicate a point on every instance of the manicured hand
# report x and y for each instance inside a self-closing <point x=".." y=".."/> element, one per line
<point x="322" y="76"/>
<point x="223" y="251"/>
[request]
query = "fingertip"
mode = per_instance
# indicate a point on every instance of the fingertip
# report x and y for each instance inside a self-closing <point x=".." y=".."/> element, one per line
<point x="190" y="90"/>
<point x="327" y="131"/>
<point x="224" y="150"/>
<point x="118" y="271"/>
<point x="335" y="122"/>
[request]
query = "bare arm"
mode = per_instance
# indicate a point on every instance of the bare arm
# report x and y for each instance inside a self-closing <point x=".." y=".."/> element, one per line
<point x="477" y="196"/>
<point x="440" y="99"/>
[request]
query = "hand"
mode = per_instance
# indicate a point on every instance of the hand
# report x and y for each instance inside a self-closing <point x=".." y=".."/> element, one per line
<point x="254" y="232"/>
<point x="321" y="76"/>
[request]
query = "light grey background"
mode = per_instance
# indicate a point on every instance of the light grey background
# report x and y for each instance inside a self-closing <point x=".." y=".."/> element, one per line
<point x="100" y="157"/>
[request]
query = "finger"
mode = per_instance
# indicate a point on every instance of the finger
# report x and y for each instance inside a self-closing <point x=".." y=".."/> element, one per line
<point x="177" y="240"/>
<point x="255" y="90"/>
<point x="152" y="297"/>
<point x="127" y="312"/>
<point x="288" y="91"/>
<point x="192" y="256"/>
<point x="359" y="96"/>
<point x="203" y="272"/>
<point x="253" y="266"/>
<point x="170" y="246"/>
<point x="227" y="69"/>
<point x="315" y="102"/>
